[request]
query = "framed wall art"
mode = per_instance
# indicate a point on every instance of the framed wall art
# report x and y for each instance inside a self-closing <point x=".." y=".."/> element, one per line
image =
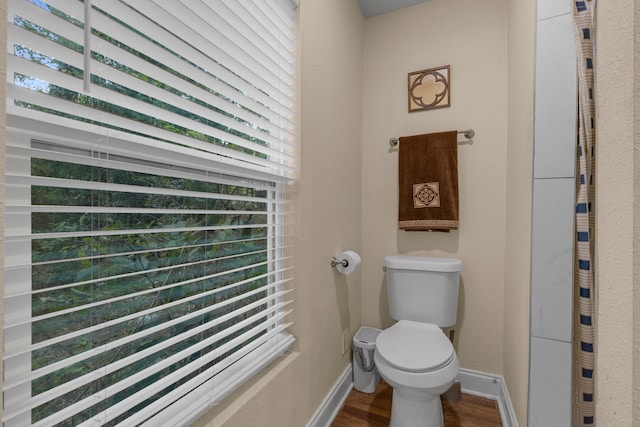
<point x="429" y="89"/>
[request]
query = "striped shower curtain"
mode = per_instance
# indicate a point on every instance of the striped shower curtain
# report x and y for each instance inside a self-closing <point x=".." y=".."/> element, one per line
<point x="583" y="405"/>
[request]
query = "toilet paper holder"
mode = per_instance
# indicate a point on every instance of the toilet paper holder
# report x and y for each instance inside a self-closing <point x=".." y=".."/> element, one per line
<point x="343" y="262"/>
<point x="346" y="262"/>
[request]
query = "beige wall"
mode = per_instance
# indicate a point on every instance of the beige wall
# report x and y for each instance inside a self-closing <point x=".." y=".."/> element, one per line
<point x="469" y="36"/>
<point x="517" y="272"/>
<point x="618" y="214"/>
<point x="328" y="215"/>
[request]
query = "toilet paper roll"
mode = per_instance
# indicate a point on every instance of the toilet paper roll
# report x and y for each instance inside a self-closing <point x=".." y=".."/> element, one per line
<point x="352" y="262"/>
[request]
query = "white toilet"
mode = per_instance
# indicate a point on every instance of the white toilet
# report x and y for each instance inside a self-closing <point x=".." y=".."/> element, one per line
<point x="414" y="356"/>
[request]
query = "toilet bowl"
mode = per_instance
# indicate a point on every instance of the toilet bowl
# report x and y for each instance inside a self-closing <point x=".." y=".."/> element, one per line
<point x="420" y="363"/>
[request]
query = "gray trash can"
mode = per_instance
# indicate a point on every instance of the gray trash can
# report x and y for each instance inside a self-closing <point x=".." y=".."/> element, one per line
<point x="365" y="374"/>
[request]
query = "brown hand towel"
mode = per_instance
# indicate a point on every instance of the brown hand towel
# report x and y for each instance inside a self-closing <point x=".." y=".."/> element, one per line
<point x="428" y="182"/>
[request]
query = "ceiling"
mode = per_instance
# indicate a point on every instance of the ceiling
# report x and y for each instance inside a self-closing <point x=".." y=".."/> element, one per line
<point x="378" y="7"/>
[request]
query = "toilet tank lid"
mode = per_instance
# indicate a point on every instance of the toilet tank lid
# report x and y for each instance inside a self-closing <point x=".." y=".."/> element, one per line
<point x="405" y="262"/>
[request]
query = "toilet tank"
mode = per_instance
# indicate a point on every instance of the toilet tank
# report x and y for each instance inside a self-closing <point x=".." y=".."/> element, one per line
<point x="423" y="289"/>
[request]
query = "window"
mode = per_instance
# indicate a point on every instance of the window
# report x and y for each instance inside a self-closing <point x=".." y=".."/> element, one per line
<point x="149" y="144"/>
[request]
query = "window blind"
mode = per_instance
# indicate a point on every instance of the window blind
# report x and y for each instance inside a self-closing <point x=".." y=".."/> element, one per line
<point x="147" y="263"/>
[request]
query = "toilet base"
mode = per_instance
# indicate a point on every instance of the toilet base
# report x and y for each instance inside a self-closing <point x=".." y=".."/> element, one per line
<point x="415" y="409"/>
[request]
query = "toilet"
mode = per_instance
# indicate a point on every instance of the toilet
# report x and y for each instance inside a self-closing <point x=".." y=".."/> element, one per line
<point x="414" y="356"/>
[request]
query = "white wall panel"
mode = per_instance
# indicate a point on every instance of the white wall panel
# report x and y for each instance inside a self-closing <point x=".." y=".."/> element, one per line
<point x="552" y="258"/>
<point x="550" y="387"/>
<point x="555" y="99"/>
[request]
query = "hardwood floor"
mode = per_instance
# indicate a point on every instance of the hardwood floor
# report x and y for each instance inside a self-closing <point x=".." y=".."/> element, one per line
<point x="374" y="410"/>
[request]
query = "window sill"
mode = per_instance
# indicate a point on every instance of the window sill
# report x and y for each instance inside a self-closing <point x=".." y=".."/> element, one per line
<point x="223" y="384"/>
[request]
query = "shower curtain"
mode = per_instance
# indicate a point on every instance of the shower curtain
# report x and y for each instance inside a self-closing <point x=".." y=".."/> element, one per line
<point x="583" y="404"/>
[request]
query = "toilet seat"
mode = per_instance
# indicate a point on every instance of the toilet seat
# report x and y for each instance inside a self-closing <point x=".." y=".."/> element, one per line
<point x="414" y="347"/>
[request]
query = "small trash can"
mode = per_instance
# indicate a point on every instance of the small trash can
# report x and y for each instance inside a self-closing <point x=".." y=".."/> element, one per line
<point x="365" y="374"/>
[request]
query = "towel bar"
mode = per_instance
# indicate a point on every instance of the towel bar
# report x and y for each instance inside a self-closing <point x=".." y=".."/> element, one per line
<point x="468" y="133"/>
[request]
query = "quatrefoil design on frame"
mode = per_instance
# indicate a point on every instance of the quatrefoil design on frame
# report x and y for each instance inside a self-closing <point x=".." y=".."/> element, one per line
<point x="430" y="89"/>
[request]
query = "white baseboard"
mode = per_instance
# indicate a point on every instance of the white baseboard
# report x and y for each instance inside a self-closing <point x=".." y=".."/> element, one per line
<point x="331" y="404"/>
<point x="490" y="386"/>
<point x="477" y="383"/>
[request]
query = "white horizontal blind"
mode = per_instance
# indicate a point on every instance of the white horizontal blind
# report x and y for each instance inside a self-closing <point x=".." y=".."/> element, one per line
<point x="222" y="91"/>
<point x="147" y="146"/>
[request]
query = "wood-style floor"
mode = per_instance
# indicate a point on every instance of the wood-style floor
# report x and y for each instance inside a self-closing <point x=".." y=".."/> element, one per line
<point x="374" y="410"/>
